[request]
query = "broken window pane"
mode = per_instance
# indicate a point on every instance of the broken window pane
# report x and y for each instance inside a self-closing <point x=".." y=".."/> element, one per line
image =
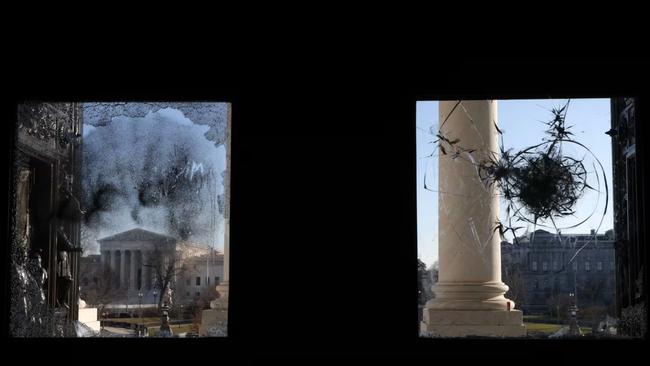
<point x="506" y="188"/>
<point x="119" y="205"/>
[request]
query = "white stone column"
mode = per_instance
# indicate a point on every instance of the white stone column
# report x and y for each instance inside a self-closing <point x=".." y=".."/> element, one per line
<point x="122" y="269"/>
<point x="132" y="283"/>
<point x="469" y="296"/>
<point x="145" y="261"/>
<point x="223" y="286"/>
<point x="113" y="267"/>
<point x="112" y="259"/>
<point x="106" y="259"/>
<point x="139" y="269"/>
<point x="152" y="274"/>
<point x="218" y="312"/>
<point x="112" y="263"/>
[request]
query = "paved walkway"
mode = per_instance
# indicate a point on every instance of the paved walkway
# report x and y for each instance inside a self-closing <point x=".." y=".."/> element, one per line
<point x="118" y="332"/>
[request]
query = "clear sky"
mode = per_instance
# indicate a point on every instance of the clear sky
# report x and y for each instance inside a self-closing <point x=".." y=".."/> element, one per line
<point x="520" y="120"/>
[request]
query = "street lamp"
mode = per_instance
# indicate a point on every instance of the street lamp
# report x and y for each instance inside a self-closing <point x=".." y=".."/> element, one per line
<point x="154" y="296"/>
<point x="574" y="329"/>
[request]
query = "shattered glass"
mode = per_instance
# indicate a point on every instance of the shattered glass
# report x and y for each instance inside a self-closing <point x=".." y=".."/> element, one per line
<point x="557" y="144"/>
<point x="555" y="183"/>
<point x="150" y="165"/>
<point x="154" y="165"/>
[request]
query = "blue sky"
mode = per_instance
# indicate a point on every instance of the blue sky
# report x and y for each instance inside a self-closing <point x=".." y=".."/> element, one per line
<point x="521" y="122"/>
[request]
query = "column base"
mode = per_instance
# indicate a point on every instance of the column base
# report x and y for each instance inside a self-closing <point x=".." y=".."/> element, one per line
<point x="213" y="322"/>
<point x="470" y="296"/>
<point x="463" y="323"/>
<point x="222" y="301"/>
<point x="88" y="316"/>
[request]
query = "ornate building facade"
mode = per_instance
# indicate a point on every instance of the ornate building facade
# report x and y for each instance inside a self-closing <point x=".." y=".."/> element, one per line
<point x="45" y="223"/>
<point x="541" y="271"/>
<point x="132" y="263"/>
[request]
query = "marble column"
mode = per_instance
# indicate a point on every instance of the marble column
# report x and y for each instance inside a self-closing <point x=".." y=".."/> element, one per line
<point x="112" y="254"/>
<point x="106" y="259"/>
<point x="150" y="275"/>
<point x="223" y="286"/>
<point x="123" y="269"/>
<point x="132" y="283"/>
<point x="218" y="313"/>
<point x="145" y="270"/>
<point x="469" y="296"/>
<point x="139" y="271"/>
<point x="113" y="267"/>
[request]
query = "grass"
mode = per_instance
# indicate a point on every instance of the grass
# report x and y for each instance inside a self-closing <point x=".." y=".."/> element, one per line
<point x="542" y="327"/>
<point x="548" y="329"/>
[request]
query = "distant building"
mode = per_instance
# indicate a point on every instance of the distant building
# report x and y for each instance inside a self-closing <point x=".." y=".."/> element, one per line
<point x="200" y="274"/>
<point x="125" y="268"/>
<point x="538" y="269"/>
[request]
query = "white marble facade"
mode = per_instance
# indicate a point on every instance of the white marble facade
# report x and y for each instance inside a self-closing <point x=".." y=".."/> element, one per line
<point x="129" y="255"/>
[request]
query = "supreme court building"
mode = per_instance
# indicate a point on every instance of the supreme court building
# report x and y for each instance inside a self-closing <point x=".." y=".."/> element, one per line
<point x="131" y="257"/>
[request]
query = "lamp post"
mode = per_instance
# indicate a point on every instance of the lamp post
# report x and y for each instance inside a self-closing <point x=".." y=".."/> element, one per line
<point x="154" y="296"/>
<point x="574" y="329"/>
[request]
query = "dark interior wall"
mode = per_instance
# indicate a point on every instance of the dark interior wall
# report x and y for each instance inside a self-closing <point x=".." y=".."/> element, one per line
<point x="37" y="137"/>
<point x="40" y="209"/>
<point x="323" y="202"/>
<point x="630" y="194"/>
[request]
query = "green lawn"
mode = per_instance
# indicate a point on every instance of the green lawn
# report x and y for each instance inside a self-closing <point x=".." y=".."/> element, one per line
<point x="542" y="327"/>
<point x="548" y="329"/>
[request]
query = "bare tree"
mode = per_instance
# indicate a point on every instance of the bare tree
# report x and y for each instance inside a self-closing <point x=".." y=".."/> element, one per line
<point x="425" y="281"/>
<point x="165" y="266"/>
<point x="102" y="287"/>
<point x="558" y="305"/>
<point x="514" y="277"/>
